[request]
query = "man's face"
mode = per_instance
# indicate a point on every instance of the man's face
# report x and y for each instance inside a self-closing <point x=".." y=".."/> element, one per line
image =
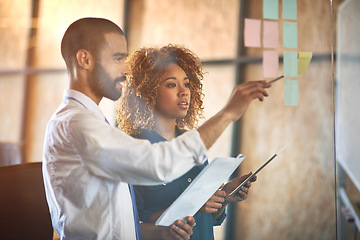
<point x="110" y="69"/>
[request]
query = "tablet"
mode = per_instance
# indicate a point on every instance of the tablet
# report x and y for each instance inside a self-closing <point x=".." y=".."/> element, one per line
<point x="252" y="175"/>
<point x="200" y="190"/>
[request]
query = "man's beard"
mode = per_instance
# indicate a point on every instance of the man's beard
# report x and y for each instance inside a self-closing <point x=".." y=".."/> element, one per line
<point x="106" y="85"/>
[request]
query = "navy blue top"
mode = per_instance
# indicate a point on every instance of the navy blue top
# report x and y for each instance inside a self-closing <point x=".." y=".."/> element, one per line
<point x="151" y="199"/>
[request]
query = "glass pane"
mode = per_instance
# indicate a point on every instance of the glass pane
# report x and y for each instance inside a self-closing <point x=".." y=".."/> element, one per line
<point x="14" y="27"/>
<point x="294" y="196"/>
<point x="57" y="15"/>
<point x="218" y="85"/>
<point x="11" y="105"/>
<point x="348" y="119"/>
<point x="186" y="22"/>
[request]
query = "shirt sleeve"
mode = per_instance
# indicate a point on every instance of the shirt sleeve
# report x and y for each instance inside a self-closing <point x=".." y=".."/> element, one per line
<point x="110" y="153"/>
<point x="220" y="219"/>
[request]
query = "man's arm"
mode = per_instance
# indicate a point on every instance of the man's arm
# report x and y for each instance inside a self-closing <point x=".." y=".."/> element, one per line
<point x="110" y="153"/>
<point x="239" y="100"/>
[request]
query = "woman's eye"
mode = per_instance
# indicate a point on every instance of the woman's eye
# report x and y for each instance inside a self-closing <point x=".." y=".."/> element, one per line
<point x="187" y="85"/>
<point x="171" y="85"/>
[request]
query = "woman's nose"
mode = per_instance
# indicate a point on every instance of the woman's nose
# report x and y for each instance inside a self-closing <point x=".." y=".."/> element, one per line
<point x="183" y="92"/>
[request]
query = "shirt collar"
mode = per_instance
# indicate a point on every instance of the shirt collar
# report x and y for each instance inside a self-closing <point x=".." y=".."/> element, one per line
<point x="84" y="100"/>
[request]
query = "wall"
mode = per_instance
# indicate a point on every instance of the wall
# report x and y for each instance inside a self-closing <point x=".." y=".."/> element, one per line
<point x="294" y="196"/>
<point x="34" y="88"/>
<point x="13" y="48"/>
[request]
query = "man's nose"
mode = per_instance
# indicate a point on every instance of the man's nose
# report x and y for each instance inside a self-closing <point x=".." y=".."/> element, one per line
<point x="125" y="70"/>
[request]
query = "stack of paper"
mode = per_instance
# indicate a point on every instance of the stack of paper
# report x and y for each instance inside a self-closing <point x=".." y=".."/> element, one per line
<point x="200" y="190"/>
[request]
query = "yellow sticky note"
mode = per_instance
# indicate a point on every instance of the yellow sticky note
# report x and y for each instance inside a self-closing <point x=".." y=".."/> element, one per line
<point x="303" y="61"/>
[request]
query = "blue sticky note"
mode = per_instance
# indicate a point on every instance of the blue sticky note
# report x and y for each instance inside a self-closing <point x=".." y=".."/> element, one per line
<point x="289" y="9"/>
<point x="291" y="92"/>
<point x="271" y="9"/>
<point x="290" y="64"/>
<point x="290" y="35"/>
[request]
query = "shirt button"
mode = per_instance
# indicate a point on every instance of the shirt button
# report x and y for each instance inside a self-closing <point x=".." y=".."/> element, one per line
<point x="189" y="179"/>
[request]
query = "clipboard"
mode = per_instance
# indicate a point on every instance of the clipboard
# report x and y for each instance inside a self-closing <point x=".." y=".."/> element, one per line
<point x="252" y="175"/>
<point x="200" y="190"/>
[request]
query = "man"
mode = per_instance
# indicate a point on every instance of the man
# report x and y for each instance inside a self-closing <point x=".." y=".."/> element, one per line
<point x="88" y="165"/>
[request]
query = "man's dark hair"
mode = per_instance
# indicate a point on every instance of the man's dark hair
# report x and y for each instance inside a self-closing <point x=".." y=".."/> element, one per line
<point x="88" y="34"/>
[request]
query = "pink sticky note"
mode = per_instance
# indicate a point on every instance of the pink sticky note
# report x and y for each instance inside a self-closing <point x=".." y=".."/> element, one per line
<point x="270" y="64"/>
<point x="252" y="32"/>
<point x="271" y="34"/>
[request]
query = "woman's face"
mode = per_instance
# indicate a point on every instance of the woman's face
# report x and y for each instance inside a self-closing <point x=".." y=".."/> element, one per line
<point x="173" y="98"/>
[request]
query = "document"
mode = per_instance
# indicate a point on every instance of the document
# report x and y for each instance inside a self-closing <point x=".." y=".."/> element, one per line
<point x="200" y="190"/>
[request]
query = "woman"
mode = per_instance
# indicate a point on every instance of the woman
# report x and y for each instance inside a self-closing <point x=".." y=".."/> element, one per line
<point x="162" y="100"/>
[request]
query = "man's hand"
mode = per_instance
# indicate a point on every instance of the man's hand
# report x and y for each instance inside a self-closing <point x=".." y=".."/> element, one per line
<point x="239" y="100"/>
<point x="242" y="95"/>
<point x="179" y="230"/>
<point x="243" y="192"/>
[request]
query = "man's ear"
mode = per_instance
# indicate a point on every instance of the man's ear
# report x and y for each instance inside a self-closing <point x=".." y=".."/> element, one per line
<point x="83" y="58"/>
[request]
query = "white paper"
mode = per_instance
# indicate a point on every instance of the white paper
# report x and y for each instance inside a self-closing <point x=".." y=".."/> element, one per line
<point x="200" y="190"/>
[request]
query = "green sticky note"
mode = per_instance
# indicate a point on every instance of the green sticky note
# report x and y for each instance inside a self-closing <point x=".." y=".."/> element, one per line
<point x="289" y="9"/>
<point x="271" y="9"/>
<point x="291" y="92"/>
<point x="290" y="35"/>
<point x="290" y="64"/>
<point x="303" y="61"/>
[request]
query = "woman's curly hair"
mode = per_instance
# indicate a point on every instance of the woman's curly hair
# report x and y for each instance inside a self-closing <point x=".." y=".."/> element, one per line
<point x="147" y="66"/>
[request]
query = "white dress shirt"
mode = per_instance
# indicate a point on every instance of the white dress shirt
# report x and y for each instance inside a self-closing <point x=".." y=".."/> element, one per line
<point x="88" y="164"/>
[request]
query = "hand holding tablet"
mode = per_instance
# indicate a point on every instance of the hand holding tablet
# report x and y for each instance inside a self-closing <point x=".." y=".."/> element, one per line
<point x="253" y="175"/>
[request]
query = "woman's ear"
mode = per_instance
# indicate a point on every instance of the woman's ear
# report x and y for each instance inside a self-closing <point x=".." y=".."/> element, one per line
<point x="83" y="58"/>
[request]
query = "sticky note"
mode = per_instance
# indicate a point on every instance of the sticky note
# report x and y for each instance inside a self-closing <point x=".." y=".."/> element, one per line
<point x="271" y="34"/>
<point x="270" y="64"/>
<point x="290" y="34"/>
<point x="271" y="9"/>
<point x="303" y="62"/>
<point x="289" y="9"/>
<point x="291" y="92"/>
<point x="290" y="64"/>
<point x="252" y="32"/>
